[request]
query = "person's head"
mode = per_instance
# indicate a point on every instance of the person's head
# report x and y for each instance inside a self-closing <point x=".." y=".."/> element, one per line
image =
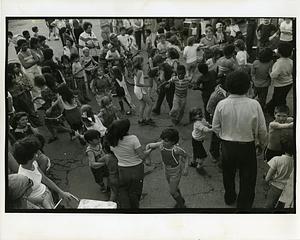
<point x="20" y="120"/>
<point x="148" y="32"/>
<point x="50" y="81"/>
<point x="86" y="51"/>
<point x="122" y="31"/>
<point x="265" y="55"/>
<point x="116" y="72"/>
<point x="34" y="43"/>
<point x="26" y="34"/>
<point x="65" y="92"/>
<point x="190" y="41"/>
<point x="25" y="150"/>
<point x="166" y="71"/>
<point x="172" y="53"/>
<point x="170" y="137"/>
<point x="113" y="37"/>
<point x="267" y="21"/>
<point x="92" y="137"/>
<point x="287" y="144"/>
<point x="105" y="43"/>
<point x="19" y="187"/>
<point x="87" y="114"/>
<point x="219" y="27"/>
<point x="281" y="113"/>
<point x="181" y="71"/>
<point x="48" y="54"/>
<point x="130" y="31"/>
<point x="196" y="114"/>
<point x="14" y="68"/>
<point x="287" y="20"/>
<point x="217" y="53"/>
<point x="138" y="62"/>
<point x="153" y="52"/>
<point x="74" y="57"/>
<point x="117" y="130"/>
<point x="228" y="51"/>
<point x="203" y="68"/>
<point x="240" y="45"/>
<point x="65" y="59"/>
<point x="285" y="49"/>
<point x="209" y="31"/>
<point x="69" y="42"/>
<point x="63" y="30"/>
<point x="194" y="24"/>
<point x="87" y="27"/>
<point x="76" y="23"/>
<point x="106" y="102"/>
<point x="160" y="31"/>
<point x="237" y="82"/>
<point x="46" y="69"/>
<point x="10" y="34"/>
<point x="162" y="38"/>
<point x="173" y="30"/>
<point x="42" y="40"/>
<point x="35" y="29"/>
<point x="39" y="81"/>
<point x="22" y="44"/>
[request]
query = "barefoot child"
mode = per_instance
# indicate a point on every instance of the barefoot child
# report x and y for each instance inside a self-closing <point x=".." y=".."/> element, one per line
<point x="200" y="130"/>
<point x="175" y="162"/>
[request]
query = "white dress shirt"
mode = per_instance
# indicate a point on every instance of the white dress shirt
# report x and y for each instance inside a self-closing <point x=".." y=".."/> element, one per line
<point x="240" y="119"/>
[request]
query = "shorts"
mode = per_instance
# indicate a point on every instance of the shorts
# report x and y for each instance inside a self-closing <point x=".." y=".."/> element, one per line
<point x="198" y="149"/>
<point x="99" y="174"/>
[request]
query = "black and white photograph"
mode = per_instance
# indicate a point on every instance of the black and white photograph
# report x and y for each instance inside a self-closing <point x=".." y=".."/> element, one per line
<point x="156" y="114"/>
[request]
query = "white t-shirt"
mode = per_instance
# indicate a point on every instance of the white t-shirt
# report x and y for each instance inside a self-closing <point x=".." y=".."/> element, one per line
<point x="200" y="130"/>
<point x="98" y="125"/>
<point x="283" y="165"/>
<point x="241" y="57"/>
<point x="38" y="187"/>
<point x="190" y="53"/>
<point x="125" y="151"/>
<point x="286" y="28"/>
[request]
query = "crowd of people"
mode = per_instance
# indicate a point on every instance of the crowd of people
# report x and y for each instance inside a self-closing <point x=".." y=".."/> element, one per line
<point x="161" y="59"/>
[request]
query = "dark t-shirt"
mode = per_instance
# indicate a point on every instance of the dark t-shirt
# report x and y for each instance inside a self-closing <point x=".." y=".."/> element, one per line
<point x="209" y="82"/>
<point x="266" y="31"/>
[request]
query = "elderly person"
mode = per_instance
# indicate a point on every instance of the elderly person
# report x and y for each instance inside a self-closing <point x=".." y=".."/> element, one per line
<point x="89" y="39"/>
<point x="240" y="124"/>
<point x="19" y="188"/>
<point x="130" y="154"/>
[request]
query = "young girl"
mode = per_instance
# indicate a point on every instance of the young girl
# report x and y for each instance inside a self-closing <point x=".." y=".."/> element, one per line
<point x="88" y="63"/>
<point x="70" y="106"/>
<point x="260" y="73"/>
<point x="242" y="55"/>
<point x="200" y="130"/>
<point x="91" y="121"/>
<point x="140" y="91"/>
<point x="175" y="162"/>
<point x="121" y="89"/>
<point x="209" y="40"/>
<point x="190" y="56"/>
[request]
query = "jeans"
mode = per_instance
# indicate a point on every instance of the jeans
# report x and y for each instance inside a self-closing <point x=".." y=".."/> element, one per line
<point x="241" y="156"/>
<point x="177" y="110"/>
<point x="278" y="98"/>
<point x="130" y="186"/>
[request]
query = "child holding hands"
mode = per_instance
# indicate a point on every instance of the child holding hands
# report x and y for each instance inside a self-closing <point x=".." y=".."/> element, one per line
<point x="175" y="162"/>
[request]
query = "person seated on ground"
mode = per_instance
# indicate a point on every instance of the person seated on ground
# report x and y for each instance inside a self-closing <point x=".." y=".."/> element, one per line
<point x="26" y="152"/>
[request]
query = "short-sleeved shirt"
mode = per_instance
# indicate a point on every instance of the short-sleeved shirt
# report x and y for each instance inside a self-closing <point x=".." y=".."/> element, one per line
<point x="126" y="153"/>
<point x="209" y="42"/>
<point x="261" y="73"/>
<point x="190" y="53"/>
<point x="266" y="31"/>
<point x="286" y="28"/>
<point x="97" y="151"/>
<point x="181" y="86"/>
<point x="38" y="187"/>
<point x="241" y="57"/>
<point x="200" y="130"/>
<point x="283" y="165"/>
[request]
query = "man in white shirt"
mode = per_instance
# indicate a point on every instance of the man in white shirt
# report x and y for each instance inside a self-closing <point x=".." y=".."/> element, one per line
<point x="240" y="123"/>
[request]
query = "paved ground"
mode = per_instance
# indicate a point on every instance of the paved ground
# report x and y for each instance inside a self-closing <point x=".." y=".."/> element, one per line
<point x="70" y="167"/>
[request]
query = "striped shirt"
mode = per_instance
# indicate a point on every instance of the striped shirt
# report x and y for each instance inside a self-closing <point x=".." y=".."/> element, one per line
<point x="181" y="86"/>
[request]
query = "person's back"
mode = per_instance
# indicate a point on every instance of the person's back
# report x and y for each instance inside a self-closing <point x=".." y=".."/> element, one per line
<point x="282" y="72"/>
<point x="260" y="73"/>
<point x="226" y="65"/>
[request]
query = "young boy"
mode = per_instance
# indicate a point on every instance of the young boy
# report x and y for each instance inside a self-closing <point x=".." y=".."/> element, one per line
<point x="124" y="40"/>
<point x="279" y="172"/>
<point x="96" y="157"/>
<point x="280" y="126"/>
<point x="173" y="157"/>
<point x="88" y="63"/>
<point x="181" y="87"/>
<point x="35" y="31"/>
<point x="79" y="77"/>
